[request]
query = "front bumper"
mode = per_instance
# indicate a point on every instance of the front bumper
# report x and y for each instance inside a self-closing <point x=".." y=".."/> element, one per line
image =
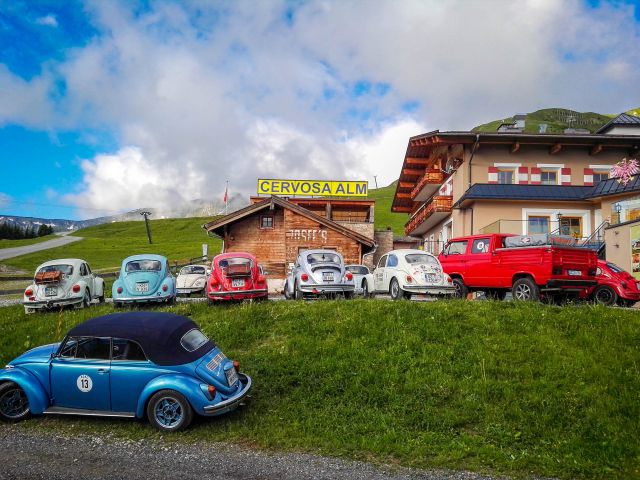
<point x="61" y="302"/>
<point x="233" y="402"/>
<point x="430" y="289"/>
<point x="320" y="288"/>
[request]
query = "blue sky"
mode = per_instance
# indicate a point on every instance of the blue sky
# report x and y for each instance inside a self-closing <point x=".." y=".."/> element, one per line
<point x="111" y="106"/>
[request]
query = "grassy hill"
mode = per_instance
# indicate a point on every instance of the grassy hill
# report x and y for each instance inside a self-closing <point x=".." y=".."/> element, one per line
<point x="384" y="217"/>
<point x="522" y="389"/>
<point x="105" y="246"/>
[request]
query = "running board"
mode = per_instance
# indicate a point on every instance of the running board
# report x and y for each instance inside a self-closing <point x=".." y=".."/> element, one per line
<point x="93" y="413"/>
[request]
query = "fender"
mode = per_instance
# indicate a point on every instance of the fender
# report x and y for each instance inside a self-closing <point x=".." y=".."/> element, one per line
<point x="523" y="274"/>
<point x="186" y="385"/>
<point x="99" y="286"/>
<point x="37" y="395"/>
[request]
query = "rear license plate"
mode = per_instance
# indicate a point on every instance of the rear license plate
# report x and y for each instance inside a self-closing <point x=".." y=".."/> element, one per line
<point x="50" y="291"/>
<point x="182" y="290"/>
<point x="574" y="273"/>
<point x="327" y="277"/>
<point x="232" y="376"/>
<point x="142" y="287"/>
<point x="237" y="282"/>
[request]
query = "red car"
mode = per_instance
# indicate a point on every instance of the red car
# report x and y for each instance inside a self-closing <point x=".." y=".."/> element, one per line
<point x="236" y="276"/>
<point x="615" y="286"/>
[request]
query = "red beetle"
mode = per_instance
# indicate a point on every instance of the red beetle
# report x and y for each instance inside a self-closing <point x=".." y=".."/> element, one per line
<point x="236" y="276"/>
<point x="615" y="286"/>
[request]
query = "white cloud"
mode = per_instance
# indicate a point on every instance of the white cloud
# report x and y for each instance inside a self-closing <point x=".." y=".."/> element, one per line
<point x="48" y="20"/>
<point x="238" y="93"/>
<point x="5" y="200"/>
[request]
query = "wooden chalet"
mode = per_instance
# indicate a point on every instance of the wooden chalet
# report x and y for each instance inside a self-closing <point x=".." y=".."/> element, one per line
<point x="275" y="230"/>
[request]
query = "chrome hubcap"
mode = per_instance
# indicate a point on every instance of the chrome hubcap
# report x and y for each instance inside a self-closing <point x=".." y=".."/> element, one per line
<point x="394" y="289"/>
<point x="523" y="292"/>
<point x="604" y="296"/>
<point x="14" y="403"/>
<point x="168" y="412"/>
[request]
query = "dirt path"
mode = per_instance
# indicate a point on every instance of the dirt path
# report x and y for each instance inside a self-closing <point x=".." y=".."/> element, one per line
<point x="56" y="242"/>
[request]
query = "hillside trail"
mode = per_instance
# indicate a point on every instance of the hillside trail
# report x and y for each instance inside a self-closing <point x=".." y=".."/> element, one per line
<point x="62" y="239"/>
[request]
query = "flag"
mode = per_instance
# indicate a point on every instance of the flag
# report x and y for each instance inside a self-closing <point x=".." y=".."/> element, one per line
<point x="226" y="196"/>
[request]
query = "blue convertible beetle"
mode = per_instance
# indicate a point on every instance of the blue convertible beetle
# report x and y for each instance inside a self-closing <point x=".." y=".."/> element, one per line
<point x="125" y="365"/>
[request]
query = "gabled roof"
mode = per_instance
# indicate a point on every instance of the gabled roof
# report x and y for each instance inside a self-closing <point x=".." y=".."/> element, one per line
<point x="268" y="203"/>
<point x="622" y="119"/>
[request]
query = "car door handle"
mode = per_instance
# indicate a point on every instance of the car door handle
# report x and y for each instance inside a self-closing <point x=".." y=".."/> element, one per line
<point x="103" y="370"/>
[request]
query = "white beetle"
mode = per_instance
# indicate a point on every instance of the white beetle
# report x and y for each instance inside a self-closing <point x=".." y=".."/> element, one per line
<point x="57" y="283"/>
<point x="192" y="279"/>
<point x="402" y="273"/>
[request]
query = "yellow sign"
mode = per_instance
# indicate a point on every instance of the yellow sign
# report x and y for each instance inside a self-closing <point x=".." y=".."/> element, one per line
<point x="316" y="188"/>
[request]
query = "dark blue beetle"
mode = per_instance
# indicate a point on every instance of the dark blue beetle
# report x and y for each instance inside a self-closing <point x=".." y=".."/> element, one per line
<point x="125" y="365"/>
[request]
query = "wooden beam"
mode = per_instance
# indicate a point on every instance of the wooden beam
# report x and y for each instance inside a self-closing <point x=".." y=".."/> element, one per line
<point x="403" y="195"/>
<point x="596" y="149"/>
<point x="555" y="148"/>
<point x="515" y="147"/>
<point x="416" y="161"/>
<point x="412" y="173"/>
<point x="401" y="209"/>
<point x="408" y="185"/>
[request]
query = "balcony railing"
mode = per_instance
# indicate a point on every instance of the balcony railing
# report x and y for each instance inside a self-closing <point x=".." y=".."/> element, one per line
<point x="432" y="179"/>
<point x="437" y="204"/>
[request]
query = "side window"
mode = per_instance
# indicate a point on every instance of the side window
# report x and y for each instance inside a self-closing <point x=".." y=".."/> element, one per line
<point x="480" y="245"/>
<point x="86" y="266"/>
<point x="83" y="270"/>
<point x="393" y="261"/>
<point x="94" y="348"/>
<point x="382" y="261"/>
<point x="123" y="349"/>
<point x="457" y="248"/>
<point x="69" y="348"/>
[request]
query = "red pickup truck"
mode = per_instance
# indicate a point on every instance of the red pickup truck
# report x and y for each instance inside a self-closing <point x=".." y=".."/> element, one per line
<point x="528" y="266"/>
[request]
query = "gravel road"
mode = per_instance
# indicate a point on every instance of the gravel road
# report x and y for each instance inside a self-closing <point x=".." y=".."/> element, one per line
<point x="56" y="242"/>
<point x="26" y="455"/>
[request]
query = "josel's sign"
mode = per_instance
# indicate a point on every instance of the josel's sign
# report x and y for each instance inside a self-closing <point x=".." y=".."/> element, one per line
<point x="316" y="188"/>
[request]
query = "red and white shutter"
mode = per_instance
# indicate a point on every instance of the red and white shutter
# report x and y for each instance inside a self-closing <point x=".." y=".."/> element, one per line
<point x="588" y="176"/>
<point x="565" y="176"/>
<point x="493" y="174"/>
<point x="535" y="176"/>
<point x="523" y="175"/>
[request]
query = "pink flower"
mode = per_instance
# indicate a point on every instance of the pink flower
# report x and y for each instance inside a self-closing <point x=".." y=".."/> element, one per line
<point x="624" y="170"/>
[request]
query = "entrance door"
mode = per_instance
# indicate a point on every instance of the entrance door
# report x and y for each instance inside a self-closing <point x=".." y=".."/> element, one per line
<point x="571" y="226"/>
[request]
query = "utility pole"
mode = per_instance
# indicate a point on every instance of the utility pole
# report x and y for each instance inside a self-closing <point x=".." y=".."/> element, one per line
<point x="375" y="179"/>
<point x="145" y="214"/>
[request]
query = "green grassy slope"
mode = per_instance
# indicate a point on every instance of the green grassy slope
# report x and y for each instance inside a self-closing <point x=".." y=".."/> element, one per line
<point x="522" y="389"/>
<point x="384" y="217"/>
<point x="557" y="119"/>
<point x="105" y="246"/>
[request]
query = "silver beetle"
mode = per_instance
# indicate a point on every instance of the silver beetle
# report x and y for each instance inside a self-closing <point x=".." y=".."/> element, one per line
<point x="318" y="272"/>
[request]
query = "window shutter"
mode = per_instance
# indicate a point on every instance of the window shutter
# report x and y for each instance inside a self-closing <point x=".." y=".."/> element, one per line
<point x="565" y="176"/>
<point x="523" y="175"/>
<point x="588" y="176"/>
<point x="535" y="176"/>
<point x="493" y="174"/>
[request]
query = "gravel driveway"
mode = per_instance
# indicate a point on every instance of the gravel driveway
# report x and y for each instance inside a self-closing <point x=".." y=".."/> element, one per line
<point x="25" y="454"/>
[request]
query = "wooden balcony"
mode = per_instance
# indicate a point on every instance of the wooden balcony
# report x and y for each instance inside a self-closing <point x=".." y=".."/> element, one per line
<point x="429" y="215"/>
<point x="427" y="185"/>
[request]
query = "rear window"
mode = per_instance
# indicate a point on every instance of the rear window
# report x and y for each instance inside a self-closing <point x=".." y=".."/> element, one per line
<point x="193" y="269"/>
<point x="614" y="268"/>
<point x="64" y="269"/>
<point x="357" y="269"/>
<point x="193" y="340"/>
<point x="143" y="266"/>
<point x="325" y="257"/>
<point x="225" y="262"/>
<point x="420" y="259"/>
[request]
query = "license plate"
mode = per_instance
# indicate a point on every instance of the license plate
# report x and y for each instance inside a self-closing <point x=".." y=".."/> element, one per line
<point x="327" y="277"/>
<point x="237" y="282"/>
<point x="50" y="291"/>
<point x="142" y="287"/>
<point x="232" y="376"/>
<point x="574" y="273"/>
<point x="182" y="290"/>
<point x="429" y="278"/>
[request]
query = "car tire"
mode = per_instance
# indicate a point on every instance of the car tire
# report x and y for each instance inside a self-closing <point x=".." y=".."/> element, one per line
<point x="461" y="290"/>
<point x="117" y="305"/>
<point x="14" y="404"/>
<point x="394" y="290"/>
<point x="101" y="298"/>
<point x="525" y="290"/>
<point x="169" y="411"/>
<point x="348" y="295"/>
<point x="297" y="292"/>
<point x="287" y="295"/>
<point x="605" y="295"/>
<point x="86" y="300"/>
<point x="365" y="290"/>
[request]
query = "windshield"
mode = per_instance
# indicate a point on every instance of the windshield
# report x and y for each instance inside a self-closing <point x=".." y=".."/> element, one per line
<point x="614" y="268"/>
<point x="420" y="259"/>
<point x="64" y="269"/>
<point x="143" y="266"/>
<point x="357" y="269"/>
<point x="193" y="270"/>
<point x="323" y="257"/>
<point x="193" y="340"/>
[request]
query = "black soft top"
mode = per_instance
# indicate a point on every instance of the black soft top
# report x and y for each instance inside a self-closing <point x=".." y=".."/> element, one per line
<point x="157" y="333"/>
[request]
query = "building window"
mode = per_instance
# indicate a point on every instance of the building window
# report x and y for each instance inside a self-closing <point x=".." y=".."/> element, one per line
<point x="571" y="226"/>
<point x="549" y="177"/>
<point x="600" y="176"/>
<point x="506" y="175"/>
<point x="266" y="222"/>
<point x="538" y="225"/>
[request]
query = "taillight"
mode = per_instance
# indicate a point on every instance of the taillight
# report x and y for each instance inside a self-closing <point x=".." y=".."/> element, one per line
<point x="76" y="288"/>
<point x="119" y="290"/>
<point x="28" y="292"/>
<point x="262" y="279"/>
<point x="304" y="277"/>
<point x="236" y="365"/>
<point x="349" y="276"/>
<point x="449" y="280"/>
<point x="213" y="281"/>
<point x="165" y="288"/>
<point x="409" y="279"/>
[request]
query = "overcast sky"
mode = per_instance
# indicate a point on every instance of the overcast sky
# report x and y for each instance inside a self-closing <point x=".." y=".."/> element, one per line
<point x="108" y="106"/>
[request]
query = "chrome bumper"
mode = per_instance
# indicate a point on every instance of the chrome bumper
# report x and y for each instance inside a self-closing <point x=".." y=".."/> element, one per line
<point x="230" y="293"/>
<point x="430" y="290"/>
<point x="141" y="299"/>
<point x="62" y="302"/>
<point x="231" y="403"/>
<point x="316" y="288"/>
